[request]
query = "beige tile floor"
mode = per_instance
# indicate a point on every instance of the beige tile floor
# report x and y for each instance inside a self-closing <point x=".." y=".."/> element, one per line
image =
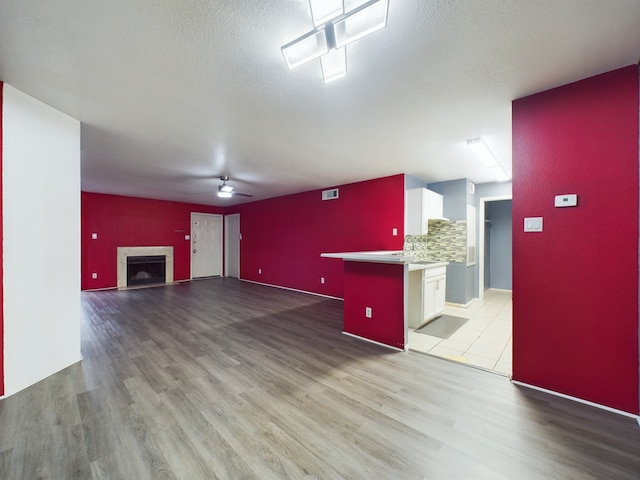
<point x="484" y="341"/>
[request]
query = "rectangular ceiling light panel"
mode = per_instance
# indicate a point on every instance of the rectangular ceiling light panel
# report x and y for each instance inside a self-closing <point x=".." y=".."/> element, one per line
<point x="306" y="48"/>
<point x="499" y="173"/>
<point x="368" y="18"/>
<point x="324" y="10"/>
<point x="480" y="149"/>
<point x="334" y="64"/>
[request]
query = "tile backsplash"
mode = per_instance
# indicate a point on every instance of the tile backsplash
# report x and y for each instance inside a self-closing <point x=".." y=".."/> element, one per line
<point x="445" y="242"/>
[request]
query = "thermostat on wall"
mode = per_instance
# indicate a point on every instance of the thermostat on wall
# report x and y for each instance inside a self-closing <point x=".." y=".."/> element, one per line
<point x="567" y="200"/>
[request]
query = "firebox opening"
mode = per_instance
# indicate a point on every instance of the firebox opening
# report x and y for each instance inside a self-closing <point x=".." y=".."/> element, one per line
<point x="146" y="270"/>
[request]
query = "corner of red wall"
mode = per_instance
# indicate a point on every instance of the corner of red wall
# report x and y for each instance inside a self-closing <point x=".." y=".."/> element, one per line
<point x="132" y="221"/>
<point x="302" y="226"/>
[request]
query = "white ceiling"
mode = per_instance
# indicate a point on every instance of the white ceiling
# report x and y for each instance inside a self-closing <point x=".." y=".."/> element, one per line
<point x="174" y="93"/>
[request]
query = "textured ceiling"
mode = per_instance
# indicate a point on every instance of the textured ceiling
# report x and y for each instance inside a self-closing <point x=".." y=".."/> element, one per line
<point x="173" y="94"/>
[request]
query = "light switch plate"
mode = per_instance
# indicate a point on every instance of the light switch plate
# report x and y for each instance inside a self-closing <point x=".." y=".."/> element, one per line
<point x="533" y="224"/>
<point x="94" y="236"/>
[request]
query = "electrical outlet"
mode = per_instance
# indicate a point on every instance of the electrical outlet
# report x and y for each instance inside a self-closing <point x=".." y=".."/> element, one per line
<point x="367" y="312"/>
<point x="394" y="232"/>
<point x="94" y="236"/>
<point x="259" y="271"/>
<point x="94" y="275"/>
<point x="321" y="279"/>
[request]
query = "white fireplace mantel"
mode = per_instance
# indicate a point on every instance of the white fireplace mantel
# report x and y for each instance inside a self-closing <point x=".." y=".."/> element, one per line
<point x="124" y="252"/>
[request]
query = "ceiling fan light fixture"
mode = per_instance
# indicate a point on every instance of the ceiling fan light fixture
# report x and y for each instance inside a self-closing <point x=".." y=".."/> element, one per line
<point x="324" y="10"/>
<point x="305" y="48"/>
<point x="334" y="64"/>
<point x="364" y="20"/>
<point x="225" y="188"/>
<point x="223" y="194"/>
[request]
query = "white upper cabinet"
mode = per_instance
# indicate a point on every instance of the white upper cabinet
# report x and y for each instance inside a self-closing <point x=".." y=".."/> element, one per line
<point x="434" y="205"/>
<point x="421" y="205"/>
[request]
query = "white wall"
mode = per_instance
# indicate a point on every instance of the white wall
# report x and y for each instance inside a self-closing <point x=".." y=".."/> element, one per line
<point x="41" y="229"/>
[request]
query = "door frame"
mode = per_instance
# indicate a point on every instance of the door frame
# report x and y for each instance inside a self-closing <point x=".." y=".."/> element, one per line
<point x="481" y="225"/>
<point x="221" y="240"/>
<point x="227" y="242"/>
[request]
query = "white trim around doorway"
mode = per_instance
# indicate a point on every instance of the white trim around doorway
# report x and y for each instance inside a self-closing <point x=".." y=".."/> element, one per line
<point x="481" y="225"/>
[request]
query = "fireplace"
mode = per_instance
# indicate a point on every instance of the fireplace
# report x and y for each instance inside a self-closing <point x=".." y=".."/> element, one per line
<point x="146" y="269"/>
<point x="141" y="266"/>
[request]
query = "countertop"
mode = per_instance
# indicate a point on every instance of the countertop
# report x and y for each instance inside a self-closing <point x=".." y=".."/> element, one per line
<point x="385" y="256"/>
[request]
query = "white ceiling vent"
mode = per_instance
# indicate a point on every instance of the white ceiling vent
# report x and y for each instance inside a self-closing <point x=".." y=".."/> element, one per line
<point x="330" y="194"/>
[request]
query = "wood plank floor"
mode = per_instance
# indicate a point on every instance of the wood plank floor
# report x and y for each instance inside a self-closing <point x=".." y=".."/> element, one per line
<point x="225" y="379"/>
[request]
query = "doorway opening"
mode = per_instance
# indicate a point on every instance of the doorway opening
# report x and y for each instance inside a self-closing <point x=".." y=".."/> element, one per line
<point x="495" y="237"/>
<point x="232" y="239"/>
<point x="485" y="339"/>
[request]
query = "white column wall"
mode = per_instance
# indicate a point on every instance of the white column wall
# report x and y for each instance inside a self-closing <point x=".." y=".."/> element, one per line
<point x="41" y="230"/>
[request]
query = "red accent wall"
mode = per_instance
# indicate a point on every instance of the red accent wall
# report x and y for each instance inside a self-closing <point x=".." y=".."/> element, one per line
<point x="1" y="251"/>
<point x="283" y="237"/>
<point x="575" y="285"/>
<point x="133" y="222"/>
<point x="379" y="286"/>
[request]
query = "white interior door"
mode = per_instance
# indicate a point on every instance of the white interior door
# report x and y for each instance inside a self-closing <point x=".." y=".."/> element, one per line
<point x="232" y="245"/>
<point x="206" y="245"/>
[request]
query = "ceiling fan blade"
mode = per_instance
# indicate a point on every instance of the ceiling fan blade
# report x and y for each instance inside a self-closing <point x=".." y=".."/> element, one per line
<point x="242" y="194"/>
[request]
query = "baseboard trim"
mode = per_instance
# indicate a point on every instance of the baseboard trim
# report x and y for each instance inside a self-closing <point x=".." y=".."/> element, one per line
<point x="103" y="289"/>
<point x="579" y="400"/>
<point x="374" y="342"/>
<point x="291" y="289"/>
<point x="461" y="305"/>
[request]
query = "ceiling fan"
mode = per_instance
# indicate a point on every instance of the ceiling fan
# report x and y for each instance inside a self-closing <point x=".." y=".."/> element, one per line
<point x="227" y="191"/>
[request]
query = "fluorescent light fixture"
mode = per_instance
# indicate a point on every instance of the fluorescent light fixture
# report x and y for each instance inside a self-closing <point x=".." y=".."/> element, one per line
<point x="309" y="46"/>
<point x="334" y="64"/>
<point x="324" y="10"/>
<point x="481" y="150"/>
<point x="499" y="173"/>
<point x="366" y="19"/>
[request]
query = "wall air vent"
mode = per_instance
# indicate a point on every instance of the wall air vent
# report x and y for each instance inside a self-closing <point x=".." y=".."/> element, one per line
<point x="330" y="194"/>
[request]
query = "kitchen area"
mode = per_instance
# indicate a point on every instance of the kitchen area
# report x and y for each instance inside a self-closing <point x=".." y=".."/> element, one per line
<point x="423" y="298"/>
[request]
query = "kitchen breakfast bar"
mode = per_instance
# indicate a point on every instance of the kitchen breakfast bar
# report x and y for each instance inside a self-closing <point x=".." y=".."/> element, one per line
<point x="387" y="292"/>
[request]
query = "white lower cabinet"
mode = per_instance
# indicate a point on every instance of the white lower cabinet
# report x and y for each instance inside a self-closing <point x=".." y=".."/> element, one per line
<point x="433" y="292"/>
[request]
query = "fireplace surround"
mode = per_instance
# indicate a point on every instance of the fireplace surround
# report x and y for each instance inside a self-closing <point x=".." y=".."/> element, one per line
<point x="125" y="252"/>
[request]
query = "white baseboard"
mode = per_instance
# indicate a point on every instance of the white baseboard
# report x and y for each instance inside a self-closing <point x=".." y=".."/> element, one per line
<point x="579" y="400"/>
<point x="373" y="341"/>
<point x="291" y="289"/>
<point x="461" y="305"/>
